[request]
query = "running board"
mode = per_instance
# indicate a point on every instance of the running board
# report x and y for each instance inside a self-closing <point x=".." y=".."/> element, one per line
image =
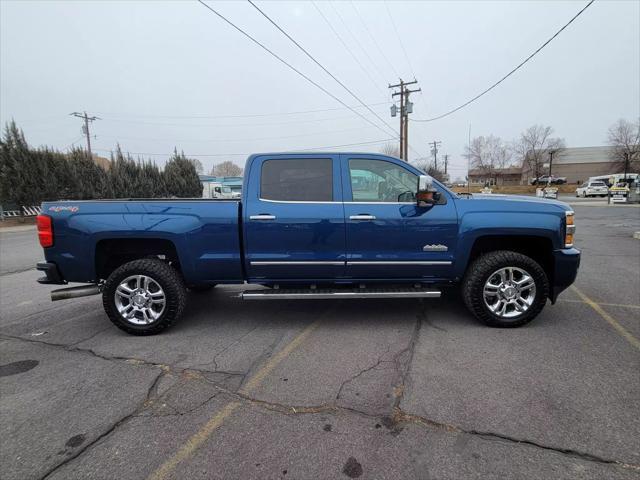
<point x="326" y="294"/>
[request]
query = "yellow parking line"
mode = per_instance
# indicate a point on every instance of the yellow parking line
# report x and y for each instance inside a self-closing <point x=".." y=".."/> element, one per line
<point x="621" y="305"/>
<point x="191" y="445"/>
<point x="621" y="330"/>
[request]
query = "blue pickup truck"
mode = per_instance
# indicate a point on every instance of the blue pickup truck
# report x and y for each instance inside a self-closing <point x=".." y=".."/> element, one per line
<point x="313" y="226"/>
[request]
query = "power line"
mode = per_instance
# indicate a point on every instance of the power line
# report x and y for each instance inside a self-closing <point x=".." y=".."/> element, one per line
<point x="216" y="125"/>
<point x="348" y="48"/>
<point x="372" y="142"/>
<point x="247" y="115"/>
<point x="319" y="64"/>
<point x="511" y="72"/>
<point x="375" y="42"/>
<point x="395" y="29"/>
<point x="273" y="54"/>
<point x="232" y="140"/>
<point x="355" y="38"/>
<point x="404" y="51"/>
<point x="76" y="140"/>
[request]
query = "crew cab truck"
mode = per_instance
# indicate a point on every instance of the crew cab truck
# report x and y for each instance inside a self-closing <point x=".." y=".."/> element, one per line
<point x="321" y="226"/>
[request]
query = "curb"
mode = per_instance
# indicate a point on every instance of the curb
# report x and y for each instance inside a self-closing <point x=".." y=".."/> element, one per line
<point x="18" y="228"/>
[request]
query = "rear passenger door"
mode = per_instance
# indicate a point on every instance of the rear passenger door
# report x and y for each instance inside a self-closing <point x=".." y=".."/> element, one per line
<point x="294" y="225"/>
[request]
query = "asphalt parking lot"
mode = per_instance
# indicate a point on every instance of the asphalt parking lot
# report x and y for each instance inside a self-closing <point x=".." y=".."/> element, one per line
<point x="328" y="389"/>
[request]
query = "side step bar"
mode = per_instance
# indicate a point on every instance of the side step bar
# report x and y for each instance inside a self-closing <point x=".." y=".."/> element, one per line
<point x="326" y="294"/>
<point x="75" y="292"/>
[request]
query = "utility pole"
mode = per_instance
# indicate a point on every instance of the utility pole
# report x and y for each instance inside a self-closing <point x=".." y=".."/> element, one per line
<point x="626" y="166"/>
<point x="446" y="163"/>
<point x="551" y="152"/>
<point x="406" y="107"/>
<point x="435" y="144"/>
<point x="85" y="128"/>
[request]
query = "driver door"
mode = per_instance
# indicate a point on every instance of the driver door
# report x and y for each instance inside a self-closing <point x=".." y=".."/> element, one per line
<point x="387" y="235"/>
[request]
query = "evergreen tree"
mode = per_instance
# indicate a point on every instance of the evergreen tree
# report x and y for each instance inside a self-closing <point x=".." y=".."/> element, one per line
<point x="181" y="178"/>
<point x="124" y="176"/>
<point x="90" y="180"/>
<point x="153" y="180"/>
<point x="21" y="174"/>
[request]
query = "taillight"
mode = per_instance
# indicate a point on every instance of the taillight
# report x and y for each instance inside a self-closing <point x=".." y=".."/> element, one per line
<point x="45" y="230"/>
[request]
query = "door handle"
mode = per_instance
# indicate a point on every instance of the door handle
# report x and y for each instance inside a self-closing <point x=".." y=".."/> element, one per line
<point x="262" y="216"/>
<point x="362" y="216"/>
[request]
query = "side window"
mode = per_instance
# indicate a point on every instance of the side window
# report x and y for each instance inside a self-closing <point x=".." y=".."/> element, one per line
<point x="381" y="181"/>
<point x="302" y="180"/>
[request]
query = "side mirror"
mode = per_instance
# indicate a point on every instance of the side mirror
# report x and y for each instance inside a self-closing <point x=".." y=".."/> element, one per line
<point x="426" y="195"/>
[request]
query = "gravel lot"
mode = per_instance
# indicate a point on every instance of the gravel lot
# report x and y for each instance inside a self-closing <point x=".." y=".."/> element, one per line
<point x="327" y="389"/>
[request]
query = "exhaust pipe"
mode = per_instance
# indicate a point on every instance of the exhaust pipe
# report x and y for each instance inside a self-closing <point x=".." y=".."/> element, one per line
<point x="75" y="292"/>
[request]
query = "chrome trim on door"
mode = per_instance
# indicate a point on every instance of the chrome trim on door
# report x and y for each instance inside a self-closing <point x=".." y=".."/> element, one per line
<point x="262" y="217"/>
<point x="331" y="202"/>
<point x="294" y="201"/>
<point x="362" y="217"/>
<point x="398" y="262"/>
<point x="295" y="262"/>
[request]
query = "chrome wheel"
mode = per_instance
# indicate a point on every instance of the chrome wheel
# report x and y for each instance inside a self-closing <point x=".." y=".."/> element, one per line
<point x="509" y="292"/>
<point x="140" y="300"/>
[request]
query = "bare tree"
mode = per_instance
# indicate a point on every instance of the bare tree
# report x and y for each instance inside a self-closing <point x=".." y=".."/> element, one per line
<point x="624" y="138"/>
<point x="197" y="164"/>
<point x="226" y="169"/>
<point x="428" y="167"/>
<point x="391" y="149"/>
<point x="488" y="155"/>
<point x="534" y="145"/>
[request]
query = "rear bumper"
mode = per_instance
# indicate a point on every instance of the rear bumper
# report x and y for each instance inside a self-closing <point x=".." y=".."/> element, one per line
<point x="51" y="272"/>
<point x="566" y="264"/>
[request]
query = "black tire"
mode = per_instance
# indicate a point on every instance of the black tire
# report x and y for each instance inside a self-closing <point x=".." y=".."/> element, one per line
<point x="164" y="275"/>
<point x="201" y="288"/>
<point x="486" y="265"/>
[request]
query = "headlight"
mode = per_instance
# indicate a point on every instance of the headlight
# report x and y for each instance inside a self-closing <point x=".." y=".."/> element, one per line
<point x="570" y="229"/>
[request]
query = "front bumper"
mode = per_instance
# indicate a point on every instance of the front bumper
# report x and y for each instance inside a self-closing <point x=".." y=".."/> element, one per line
<point x="566" y="263"/>
<point x="51" y="272"/>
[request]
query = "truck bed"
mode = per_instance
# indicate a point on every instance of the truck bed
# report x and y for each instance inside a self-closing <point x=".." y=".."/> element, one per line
<point x="203" y="233"/>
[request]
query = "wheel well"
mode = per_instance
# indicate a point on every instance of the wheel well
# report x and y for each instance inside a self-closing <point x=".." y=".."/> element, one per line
<point x="538" y="248"/>
<point x="112" y="253"/>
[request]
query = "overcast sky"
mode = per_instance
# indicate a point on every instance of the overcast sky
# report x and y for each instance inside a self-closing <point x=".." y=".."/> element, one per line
<point x="162" y="74"/>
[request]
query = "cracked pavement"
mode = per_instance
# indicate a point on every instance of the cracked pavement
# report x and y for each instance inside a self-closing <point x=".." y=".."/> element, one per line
<point x="377" y="389"/>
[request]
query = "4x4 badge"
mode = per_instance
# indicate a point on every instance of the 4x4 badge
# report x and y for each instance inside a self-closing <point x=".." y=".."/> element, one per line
<point x="435" y="248"/>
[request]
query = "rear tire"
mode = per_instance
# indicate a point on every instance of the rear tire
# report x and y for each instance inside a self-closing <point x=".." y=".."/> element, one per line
<point x="144" y="297"/>
<point x="522" y="299"/>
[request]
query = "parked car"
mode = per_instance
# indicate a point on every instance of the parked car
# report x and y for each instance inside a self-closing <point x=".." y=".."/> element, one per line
<point x="546" y="180"/>
<point x="592" y="189"/>
<point x="313" y="226"/>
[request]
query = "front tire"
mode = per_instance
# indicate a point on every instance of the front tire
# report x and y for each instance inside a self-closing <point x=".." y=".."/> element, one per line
<point x="505" y="289"/>
<point x="144" y="297"/>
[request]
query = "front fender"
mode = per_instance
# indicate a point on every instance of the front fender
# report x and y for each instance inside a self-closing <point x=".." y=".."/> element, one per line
<point x="475" y="225"/>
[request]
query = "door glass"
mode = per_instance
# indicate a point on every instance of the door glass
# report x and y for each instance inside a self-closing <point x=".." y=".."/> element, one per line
<point x="381" y="181"/>
<point x="301" y="180"/>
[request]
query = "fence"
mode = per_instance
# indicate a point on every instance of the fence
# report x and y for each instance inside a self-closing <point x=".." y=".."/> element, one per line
<point x="26" y="212"/>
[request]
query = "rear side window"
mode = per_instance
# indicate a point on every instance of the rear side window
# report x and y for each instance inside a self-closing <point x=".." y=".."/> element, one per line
<point x="301" y="180"/>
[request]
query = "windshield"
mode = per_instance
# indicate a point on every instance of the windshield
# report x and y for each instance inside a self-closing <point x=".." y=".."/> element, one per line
<point x="598" y="184"/>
